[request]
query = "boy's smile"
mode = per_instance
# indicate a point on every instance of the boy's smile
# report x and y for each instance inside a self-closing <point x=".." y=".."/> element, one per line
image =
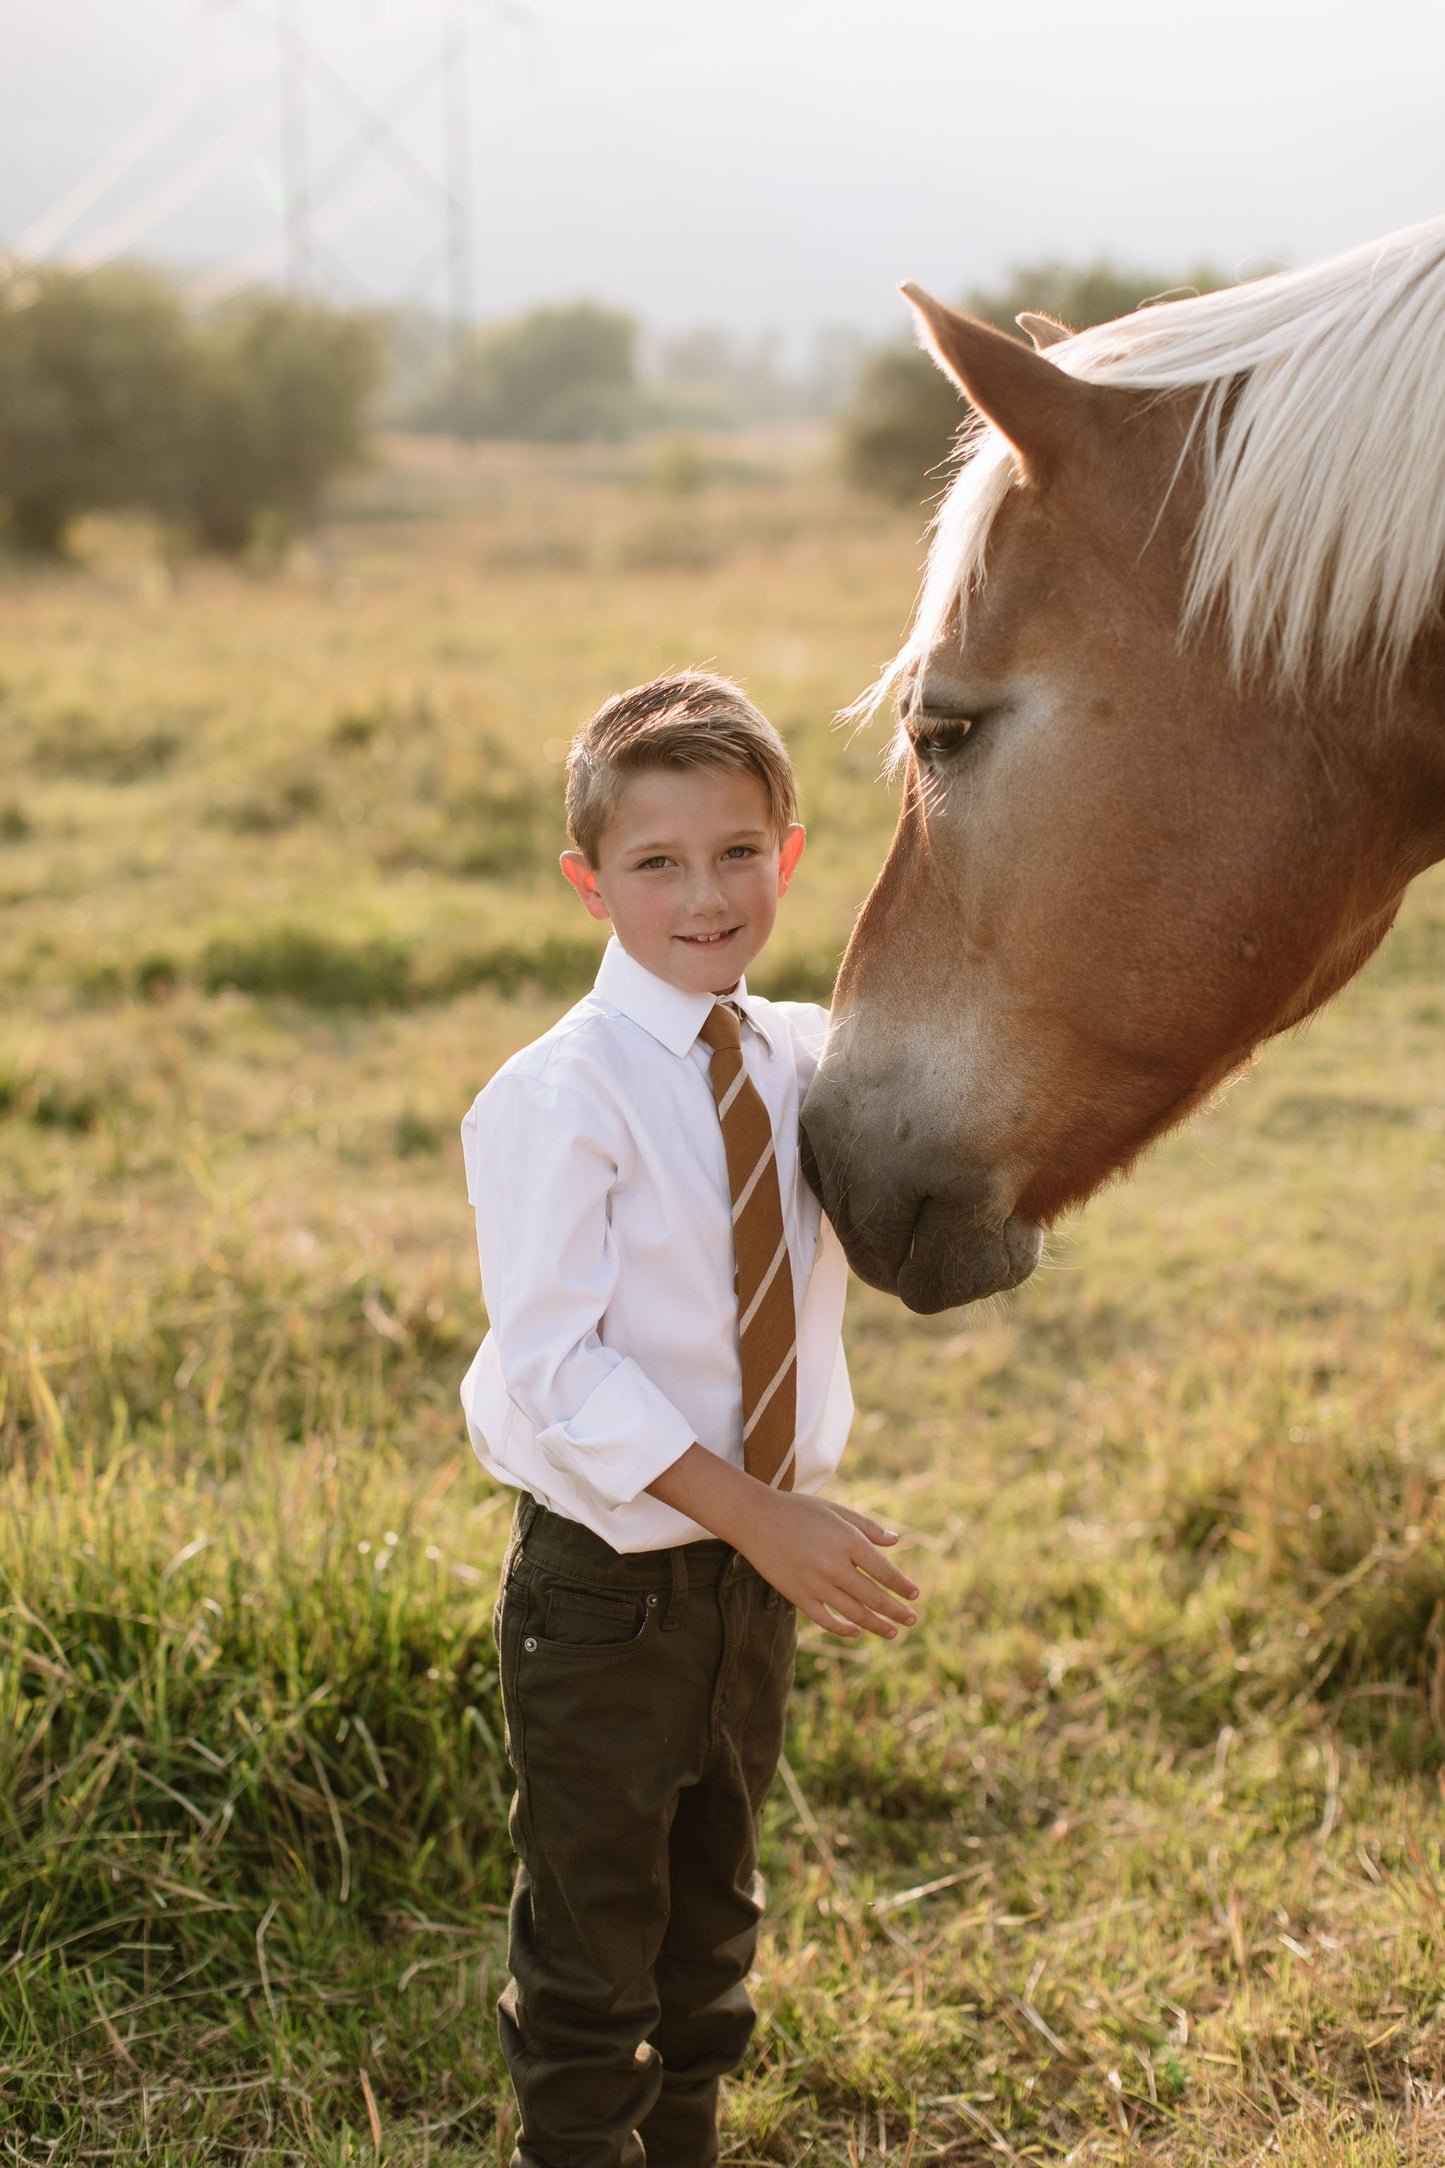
<point x="689" y="870"/>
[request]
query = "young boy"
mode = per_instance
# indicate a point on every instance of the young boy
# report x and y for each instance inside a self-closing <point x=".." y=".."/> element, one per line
<point x="664" y="1382"/>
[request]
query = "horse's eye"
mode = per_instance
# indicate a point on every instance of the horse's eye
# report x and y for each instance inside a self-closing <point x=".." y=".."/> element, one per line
<point x="932" y="736"/>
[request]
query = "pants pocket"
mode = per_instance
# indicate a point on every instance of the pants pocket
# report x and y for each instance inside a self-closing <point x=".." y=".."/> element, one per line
<point x="583" y="1619"/>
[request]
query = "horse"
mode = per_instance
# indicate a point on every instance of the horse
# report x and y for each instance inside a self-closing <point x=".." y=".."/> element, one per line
<point x="1171" y="721"/>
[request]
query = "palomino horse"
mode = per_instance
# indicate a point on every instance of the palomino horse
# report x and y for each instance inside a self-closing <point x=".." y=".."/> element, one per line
<point x="1172" y="720"/>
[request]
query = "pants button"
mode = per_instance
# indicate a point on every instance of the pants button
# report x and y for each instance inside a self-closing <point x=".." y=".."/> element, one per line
<point x="530" y="1644"/>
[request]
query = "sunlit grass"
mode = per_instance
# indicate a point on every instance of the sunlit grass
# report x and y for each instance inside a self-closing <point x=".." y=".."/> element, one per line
<point x="1132" y="1850"/>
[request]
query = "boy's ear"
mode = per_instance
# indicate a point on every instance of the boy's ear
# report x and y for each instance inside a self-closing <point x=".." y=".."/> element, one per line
<point x="790" y="850"/>
<point x="584" y="879"/>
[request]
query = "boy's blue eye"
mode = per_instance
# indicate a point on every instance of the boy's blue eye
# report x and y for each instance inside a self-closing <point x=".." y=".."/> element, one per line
<point x="649" y="863"/>
<point x="740" y="850"/>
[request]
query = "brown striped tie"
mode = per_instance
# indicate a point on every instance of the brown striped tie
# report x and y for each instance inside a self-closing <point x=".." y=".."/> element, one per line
<point x="767" y="1320"/>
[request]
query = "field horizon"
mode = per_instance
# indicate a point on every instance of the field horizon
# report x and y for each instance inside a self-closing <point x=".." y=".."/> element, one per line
<point x="1131" y="1851"/>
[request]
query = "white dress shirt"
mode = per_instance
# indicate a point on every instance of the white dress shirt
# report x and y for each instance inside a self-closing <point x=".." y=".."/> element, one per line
<point x="595" y="1163"/>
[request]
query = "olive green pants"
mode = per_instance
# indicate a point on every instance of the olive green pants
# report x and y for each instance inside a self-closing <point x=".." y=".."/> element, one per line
<point x="645" y="1696"/>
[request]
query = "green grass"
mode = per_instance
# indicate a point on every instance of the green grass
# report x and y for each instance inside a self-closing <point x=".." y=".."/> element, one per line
<point x="1131" y="1851"/>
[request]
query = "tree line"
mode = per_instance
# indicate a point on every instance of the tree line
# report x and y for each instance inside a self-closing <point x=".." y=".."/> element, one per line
<point x="228" y="427"/>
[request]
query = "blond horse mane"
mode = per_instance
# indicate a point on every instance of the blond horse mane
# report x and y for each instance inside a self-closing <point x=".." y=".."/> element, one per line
<point x="1321" y="431"/>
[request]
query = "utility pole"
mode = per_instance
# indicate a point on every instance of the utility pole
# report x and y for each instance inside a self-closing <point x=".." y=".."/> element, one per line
<point x="291" y="86"/>
<point x="457" y="151"/>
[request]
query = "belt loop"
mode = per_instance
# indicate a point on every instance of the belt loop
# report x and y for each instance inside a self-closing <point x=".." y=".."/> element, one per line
<point x="677" y="1600"/>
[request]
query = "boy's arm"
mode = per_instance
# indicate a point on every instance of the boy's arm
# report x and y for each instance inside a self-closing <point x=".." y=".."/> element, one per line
<point x="542" y="1161"/>
<point x="823" y="1557"/>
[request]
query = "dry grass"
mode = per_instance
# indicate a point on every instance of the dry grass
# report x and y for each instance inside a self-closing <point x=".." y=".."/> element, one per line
<point x="1132" y="1852"/>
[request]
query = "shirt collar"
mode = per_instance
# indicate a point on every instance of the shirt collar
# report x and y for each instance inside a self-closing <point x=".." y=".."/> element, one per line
<point x="670" y="1014"/>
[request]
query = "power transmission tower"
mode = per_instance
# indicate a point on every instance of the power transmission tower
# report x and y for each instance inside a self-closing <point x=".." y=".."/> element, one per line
<point x="457" y="154"/>
<point x="330" y="136"/>
<point x="291" y="85"/>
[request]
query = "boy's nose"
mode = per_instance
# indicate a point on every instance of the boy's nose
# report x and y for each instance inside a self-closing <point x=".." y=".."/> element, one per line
<point x="705" y="891"/>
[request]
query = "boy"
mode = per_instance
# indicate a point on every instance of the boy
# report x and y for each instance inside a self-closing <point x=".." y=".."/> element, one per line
<point x="664" y="1382"/>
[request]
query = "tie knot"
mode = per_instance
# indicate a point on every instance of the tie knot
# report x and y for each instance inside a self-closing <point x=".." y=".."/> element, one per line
<point x="722" y="1029"/>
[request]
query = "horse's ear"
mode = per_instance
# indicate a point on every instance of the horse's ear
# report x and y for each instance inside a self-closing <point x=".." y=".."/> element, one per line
<point x="1043" y="330"/>
<point x="1036" y="406"/>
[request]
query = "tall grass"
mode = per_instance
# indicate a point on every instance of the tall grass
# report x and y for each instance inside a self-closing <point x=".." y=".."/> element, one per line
<point x="1130" y="1851"/>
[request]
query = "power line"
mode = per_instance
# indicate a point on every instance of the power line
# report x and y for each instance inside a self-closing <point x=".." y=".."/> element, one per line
<point x="301" y="64"/>
<point x="302" y="73"/>
<point x="267" y="259"/>
<point x="132" y="225"/>
<point x="205" y="76"/>
<point x="149" y="130"/>
<point x="291" y="84"/>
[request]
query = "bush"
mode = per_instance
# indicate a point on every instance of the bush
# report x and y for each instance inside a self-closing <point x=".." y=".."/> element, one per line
<point x="93" y="373"/>
<point x="111" y="399"/>
<point x="900" y="427"/>
<point x="278" y="404"/>
<point x="557" y="375"/>
<point x="901" y="424"/>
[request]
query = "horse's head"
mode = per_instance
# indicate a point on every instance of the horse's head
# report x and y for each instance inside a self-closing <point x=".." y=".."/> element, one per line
<point x="1128" y="850"/>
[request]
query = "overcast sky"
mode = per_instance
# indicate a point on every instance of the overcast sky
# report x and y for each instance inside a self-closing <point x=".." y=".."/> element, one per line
<point x="763" y="162"/>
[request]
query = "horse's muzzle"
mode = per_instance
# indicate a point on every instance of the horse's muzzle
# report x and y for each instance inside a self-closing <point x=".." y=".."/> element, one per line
<point x="927" y="1235"/>
<point x="950" y="1262"/>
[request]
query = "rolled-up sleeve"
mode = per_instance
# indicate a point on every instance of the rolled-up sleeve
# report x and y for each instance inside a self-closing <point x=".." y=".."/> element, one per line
<point x="542" y="1161"/>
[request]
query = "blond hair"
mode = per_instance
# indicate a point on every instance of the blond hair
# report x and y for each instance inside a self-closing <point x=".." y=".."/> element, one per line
<point x="689" y="720"/>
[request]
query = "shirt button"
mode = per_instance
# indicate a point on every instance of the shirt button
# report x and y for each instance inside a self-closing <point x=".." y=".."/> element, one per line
<point x="530" y="1644"/>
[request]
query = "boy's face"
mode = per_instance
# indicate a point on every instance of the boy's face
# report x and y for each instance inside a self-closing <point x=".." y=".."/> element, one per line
<point x="689" y="870"/>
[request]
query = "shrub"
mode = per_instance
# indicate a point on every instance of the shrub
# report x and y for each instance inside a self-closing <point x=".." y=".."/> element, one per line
<point x="110" y="399"/>
<point x="93" y="373"/>
<point x="277" y="408"/>
<point x="556" y="375"/>
<point x="901" y="424"/>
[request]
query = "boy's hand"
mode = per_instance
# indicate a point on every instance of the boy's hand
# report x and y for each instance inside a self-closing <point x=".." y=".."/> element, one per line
<point x="825" y="1558"/>
<point x="828" y="1560"/>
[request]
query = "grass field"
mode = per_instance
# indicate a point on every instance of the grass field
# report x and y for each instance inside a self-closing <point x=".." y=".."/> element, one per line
<point x="1131" y="1852"/>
